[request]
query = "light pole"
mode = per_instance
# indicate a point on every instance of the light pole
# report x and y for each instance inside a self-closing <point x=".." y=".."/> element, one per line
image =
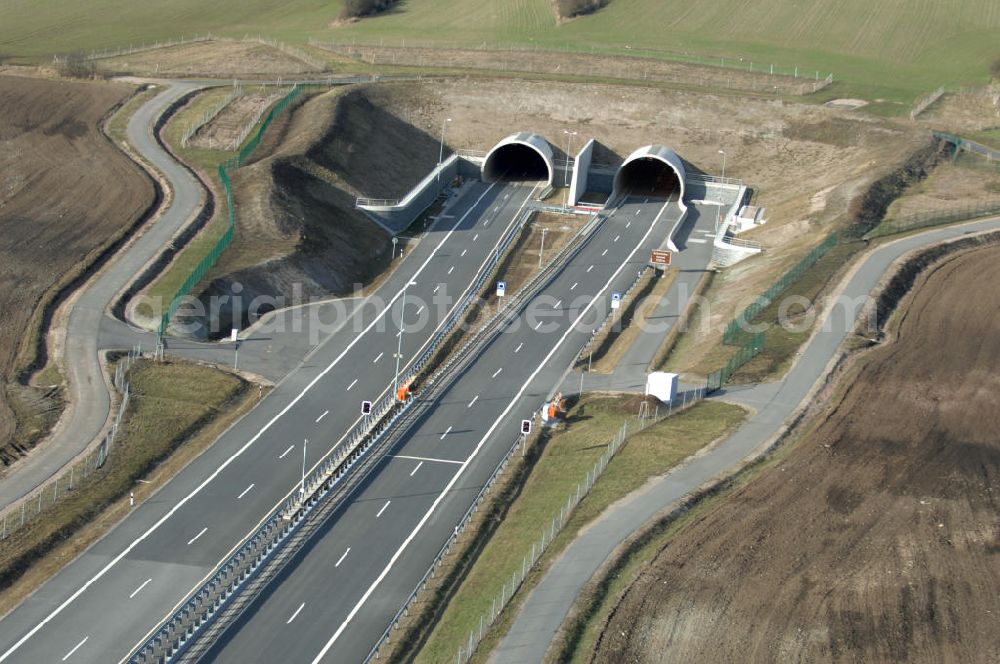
<point x="723" y="153"/>
<point x="399" y="345"/>
<point x="444" y="123"/>
<point x="394" y="241"/>
<point x="541" y="252"/>
<point x="569" y="151"/>
<point x="302" y="487"/>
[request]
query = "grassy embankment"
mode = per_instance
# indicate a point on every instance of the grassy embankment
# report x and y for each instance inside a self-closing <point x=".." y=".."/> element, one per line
<point x="890" y="52"/>
<point x="177" y="410"/>
<point x="555" y="470"/>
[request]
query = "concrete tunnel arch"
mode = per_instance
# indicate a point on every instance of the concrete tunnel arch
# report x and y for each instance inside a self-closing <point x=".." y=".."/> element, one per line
<point x="521" y="156"/>
<point x="653" y="170"/>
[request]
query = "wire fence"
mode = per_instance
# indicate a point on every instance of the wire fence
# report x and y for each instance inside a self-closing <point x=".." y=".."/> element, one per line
<point x="69" y="478"/>
<point x="735" y="332"/>
<point x="224" y="169"/>
<point x="929" y="218"/>
<point x="559" y="519"/>
<point x="750" y="350"/>
<point x="210" y="115"/>
<point x="638" y="62"/>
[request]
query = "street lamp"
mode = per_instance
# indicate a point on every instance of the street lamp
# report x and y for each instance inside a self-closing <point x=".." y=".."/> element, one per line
<point x="444" y="123"/>
<point x="723" y="153"/>
<point x="399" y="345"/>
<point x="569" y="151"/>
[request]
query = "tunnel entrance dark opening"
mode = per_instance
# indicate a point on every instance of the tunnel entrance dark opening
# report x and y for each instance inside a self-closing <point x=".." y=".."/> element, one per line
<point x="515" y="163"/>
<point x="648" y="177"/>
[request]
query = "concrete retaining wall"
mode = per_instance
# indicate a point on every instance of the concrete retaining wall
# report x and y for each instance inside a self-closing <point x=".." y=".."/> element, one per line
<point x="581" y="168"/>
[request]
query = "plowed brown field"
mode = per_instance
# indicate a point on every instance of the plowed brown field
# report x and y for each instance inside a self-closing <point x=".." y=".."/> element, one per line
<point x="877" y="538"/>
<point x="65" y="194"/>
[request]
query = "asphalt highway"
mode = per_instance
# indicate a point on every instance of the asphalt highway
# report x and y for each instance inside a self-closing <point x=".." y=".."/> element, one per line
<point x="107" y="600"/>
<point x="334" y="601"/>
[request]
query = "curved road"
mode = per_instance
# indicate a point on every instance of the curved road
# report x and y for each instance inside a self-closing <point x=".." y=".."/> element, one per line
<point x="89" y="398"/>
<point x="548" y="604"/>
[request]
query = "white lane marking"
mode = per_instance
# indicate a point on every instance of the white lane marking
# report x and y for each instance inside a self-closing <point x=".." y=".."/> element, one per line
<point x="414" y="471"/>
<point x="638" y="211"/>
<point x="238" y="453"/>
<point x="451" y="269"/>
<point x="139" y="589"/>
<point x="604" y="252"/>
<point x="475" y="398"/>
<point x="353" y="383"/>
<point x="383" y="509"/>
<point x="616" y="238"/>
<point x="556" y="305"/>
<point x="497" y="372"/>
<point x="519" y="347"/>
<point x="325" y="413"/>
<point x="475" y="237"/>
<point x="575" y="283"/>
<point x="195" y="538"/>
<point x="446" y="432"/>
<point x="420" y="309"/>
<point x="245" y="491"/>
<point x="628" y="224"/>
<point x="337" y="564"/>
<point x="379" y="357"/>
<point x="283" y="454"/>
<point x="436" y="289"/>
<point x="447" y="489"/>
<point x="538" y="324"/>
<point x="463" y="252"/>
<point x="432" y="459"/>
<point x="590" y="268"/>
<point x="294" y="615"/>
<point x="696" y="241"/>
<point x="75" y="648"/>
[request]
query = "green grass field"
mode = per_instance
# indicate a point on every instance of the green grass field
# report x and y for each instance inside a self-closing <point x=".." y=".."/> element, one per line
<point x="893" y="49"/>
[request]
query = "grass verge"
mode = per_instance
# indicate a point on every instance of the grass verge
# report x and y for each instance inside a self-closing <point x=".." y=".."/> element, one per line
<point x="177" y="411"/>
<point x="555" y="465"/>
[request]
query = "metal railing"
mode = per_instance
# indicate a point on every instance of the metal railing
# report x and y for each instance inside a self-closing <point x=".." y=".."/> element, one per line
<point x="197" y="612"/>
<point x="713" y="179"/>
<point x="69" y="478"/>
<point x="376" y="202"/>
<point x="739" y="242"/>
<point x="553" y="527"/>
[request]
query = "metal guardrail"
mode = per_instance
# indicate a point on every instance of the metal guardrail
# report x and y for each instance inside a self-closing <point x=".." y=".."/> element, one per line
<point x="376" y="202"/>
<point x="177" y="635"/>
<point x="485" y="333"/>
<point x="738" y="242"/>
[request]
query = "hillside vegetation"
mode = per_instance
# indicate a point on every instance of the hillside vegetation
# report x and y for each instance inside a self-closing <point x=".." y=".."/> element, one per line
<point x="892" y="49"/>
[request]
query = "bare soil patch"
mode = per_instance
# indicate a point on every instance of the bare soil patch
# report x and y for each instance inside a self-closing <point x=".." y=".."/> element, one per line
<point x="66" y="194"/>
<point x="875" y="538"/>
<point x="949" y="186"/>
<point x="223" y="131"/>
<point x="215" y="59"/>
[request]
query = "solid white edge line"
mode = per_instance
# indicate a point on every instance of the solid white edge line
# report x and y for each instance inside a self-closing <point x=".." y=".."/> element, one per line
<point x="225" y="464"/>
<point x="420" y="458"/>
<point x="183" y="501"/>
<point x="513" y="402"/>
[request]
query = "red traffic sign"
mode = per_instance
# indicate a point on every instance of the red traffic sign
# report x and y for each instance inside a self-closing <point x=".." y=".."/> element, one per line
<point x="660" y="257"/>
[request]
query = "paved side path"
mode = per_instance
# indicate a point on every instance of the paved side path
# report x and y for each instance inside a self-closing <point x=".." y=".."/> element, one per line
<point x="548" y="604"/>
<point x="88" y="398"/>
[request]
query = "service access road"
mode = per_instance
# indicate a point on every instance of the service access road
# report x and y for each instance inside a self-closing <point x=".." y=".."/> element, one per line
<point x="335" y="599"/>
<point x="107" y="600"/>
<point x="548" y="604"/>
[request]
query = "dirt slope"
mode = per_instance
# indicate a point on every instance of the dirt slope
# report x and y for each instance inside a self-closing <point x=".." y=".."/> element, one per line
<point x="298" y="232"/>
<point x="65" y="192"/>
<point x="877" y="538"/>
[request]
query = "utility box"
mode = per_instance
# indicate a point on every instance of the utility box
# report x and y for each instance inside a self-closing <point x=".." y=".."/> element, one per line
<point x="662" y="385"/>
